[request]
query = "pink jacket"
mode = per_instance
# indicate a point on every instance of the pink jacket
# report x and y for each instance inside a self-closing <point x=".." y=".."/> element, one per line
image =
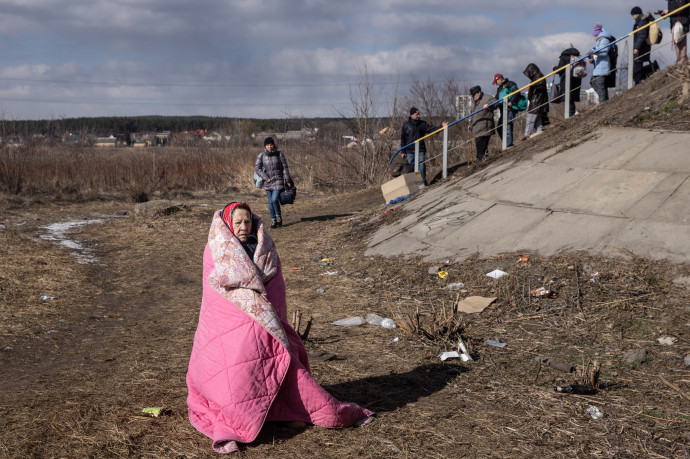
<point x="247" y="364"/>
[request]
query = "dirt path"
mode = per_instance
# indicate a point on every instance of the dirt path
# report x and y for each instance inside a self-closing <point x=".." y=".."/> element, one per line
<point x="117" y="335"/>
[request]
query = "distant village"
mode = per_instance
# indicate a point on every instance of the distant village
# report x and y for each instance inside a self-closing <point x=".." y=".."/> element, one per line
<point x="162" y="139"/>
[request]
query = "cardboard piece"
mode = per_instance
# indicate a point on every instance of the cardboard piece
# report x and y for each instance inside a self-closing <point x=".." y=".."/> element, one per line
<point x="473" y="304"/>
<point x="402" y="186"/>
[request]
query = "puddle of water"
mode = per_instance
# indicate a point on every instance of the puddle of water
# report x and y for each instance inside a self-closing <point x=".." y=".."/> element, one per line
<point x="57" y="232"/>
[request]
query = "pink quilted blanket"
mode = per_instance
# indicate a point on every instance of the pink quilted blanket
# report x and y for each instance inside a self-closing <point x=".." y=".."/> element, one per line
<point x="247" y="364"/>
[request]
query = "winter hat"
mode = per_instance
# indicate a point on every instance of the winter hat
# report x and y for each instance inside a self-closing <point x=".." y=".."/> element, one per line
<point x="227" y="213"/>
<point x="496" y="78"/>
<point x="475" y="90"/>
<point x="636" y="10"/>
<point x="269" y="141"/>
<point x="413" y="110"/>
<point x="598" y="27"/>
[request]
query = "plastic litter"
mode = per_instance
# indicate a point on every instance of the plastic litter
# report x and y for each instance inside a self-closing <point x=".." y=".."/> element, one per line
<point x="388" y="323"/>
<point x="442" y="274"/>
<point x="495" y="343"/>
<point x="543" y="293"/>
<point x="46" y="297"/>
<point x="349" y="322"/>
<point x="594" y="412"/>
<point x="455" y="286"/>
<point x="329" y="273"/>
<point x="397" y="200"/>
<point x="152" y="412"/>
<point x="448" y="355"/>
<point x="464" y="355"/>
<point x="374" y="319"/>
<point x="580" y="389"/>
<point x="687" y="360"/>
<point x="394" y="340"/>
<point x="496" y="274"/>
<point x="667" y="340"/>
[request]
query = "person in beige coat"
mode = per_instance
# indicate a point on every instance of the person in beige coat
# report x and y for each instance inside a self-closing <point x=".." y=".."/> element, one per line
<point x="482" y="124"/>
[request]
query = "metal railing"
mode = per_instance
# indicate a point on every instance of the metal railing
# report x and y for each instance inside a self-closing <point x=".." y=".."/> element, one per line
<point x="504" y="100"/>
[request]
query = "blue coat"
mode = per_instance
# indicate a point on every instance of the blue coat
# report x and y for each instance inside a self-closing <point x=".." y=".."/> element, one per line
<point x="600" y="52"/>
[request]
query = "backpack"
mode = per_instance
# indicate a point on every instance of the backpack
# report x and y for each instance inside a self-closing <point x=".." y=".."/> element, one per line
<point x="521" y="103"/>
<point x="655" y="34"/>
<point x="610" y="80"/>
<point x="258" y="181"/>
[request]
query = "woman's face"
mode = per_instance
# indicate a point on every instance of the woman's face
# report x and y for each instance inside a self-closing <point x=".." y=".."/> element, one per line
<point x="241" y="224"/>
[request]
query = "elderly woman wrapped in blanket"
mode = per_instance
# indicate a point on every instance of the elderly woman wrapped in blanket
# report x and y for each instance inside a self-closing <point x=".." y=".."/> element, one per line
<point x="247" y="364"/>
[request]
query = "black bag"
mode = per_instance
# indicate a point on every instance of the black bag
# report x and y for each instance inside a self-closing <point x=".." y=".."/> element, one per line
<point x="288" y="195"/>
<point x="556" y="93"/>
<point x="398" y="169"/>
<point x="648" y="68"/>
<point x="610" y="79"/>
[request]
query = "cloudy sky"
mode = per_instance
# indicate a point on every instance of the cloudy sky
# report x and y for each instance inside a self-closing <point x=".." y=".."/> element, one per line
<point x="268" y="58"/>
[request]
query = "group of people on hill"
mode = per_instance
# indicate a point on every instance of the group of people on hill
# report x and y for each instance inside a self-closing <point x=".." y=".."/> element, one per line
<point x="602" y="57"/>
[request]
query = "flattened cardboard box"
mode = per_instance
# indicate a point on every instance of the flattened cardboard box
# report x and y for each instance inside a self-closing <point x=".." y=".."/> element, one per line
<point x="401" y="186"/>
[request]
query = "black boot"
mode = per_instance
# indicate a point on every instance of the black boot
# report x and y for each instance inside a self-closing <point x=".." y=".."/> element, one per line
<point x="279" y="221"/>
<point x="274" y="224"/>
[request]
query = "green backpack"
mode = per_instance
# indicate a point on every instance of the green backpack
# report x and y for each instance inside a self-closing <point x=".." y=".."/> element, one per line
<point x="521" y="104"/>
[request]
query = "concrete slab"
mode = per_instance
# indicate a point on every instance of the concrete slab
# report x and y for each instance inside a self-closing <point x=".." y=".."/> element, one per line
<point x="668" y="153"/>
<point x="676" y="208"/>
<point x="665" y="201"/>
<point x="616" y="192"/>
<point x="562" y="231"/>
<point x="606" y="149"/>
<point x="608" y="192"/>
<point x="487" y="233"/>
<point x="655" y="240"/>
<point x="545" y="181"/>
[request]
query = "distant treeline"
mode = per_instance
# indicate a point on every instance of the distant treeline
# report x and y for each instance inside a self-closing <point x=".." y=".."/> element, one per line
<point x="104" y="126"/>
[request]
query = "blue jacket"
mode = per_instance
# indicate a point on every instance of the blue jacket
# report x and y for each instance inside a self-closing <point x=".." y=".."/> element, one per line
<point x="600" y="52"/>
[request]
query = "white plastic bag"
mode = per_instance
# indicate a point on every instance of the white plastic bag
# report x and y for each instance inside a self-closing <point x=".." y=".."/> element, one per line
<point x="677" y="32"/>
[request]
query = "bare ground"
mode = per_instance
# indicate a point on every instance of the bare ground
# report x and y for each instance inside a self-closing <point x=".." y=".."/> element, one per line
<point x="77" y="369"/>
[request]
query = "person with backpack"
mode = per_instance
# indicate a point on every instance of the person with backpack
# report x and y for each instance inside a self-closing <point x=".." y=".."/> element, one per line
<point x="505" y="87"/>
<point x="679" y="34"/>
<point x="272" y="166"/>
<point x="641" y="49"/>
<point x="538" y="101"/>
<point x="599" y="57"/>
<point x="567" y="56"/>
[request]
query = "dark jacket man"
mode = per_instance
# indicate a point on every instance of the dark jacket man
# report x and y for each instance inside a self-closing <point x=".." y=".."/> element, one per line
<point x="413" y="129"/>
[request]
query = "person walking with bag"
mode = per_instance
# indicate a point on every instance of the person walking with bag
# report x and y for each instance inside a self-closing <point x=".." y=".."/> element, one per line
<point x="679" y="33"/>
<point x="272" y="166"/>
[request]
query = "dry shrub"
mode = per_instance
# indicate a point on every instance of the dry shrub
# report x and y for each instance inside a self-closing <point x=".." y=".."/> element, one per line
<point x="138" y="174"/>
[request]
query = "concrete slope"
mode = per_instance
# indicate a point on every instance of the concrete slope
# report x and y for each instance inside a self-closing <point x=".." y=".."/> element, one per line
<point x="617" y="191"/>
